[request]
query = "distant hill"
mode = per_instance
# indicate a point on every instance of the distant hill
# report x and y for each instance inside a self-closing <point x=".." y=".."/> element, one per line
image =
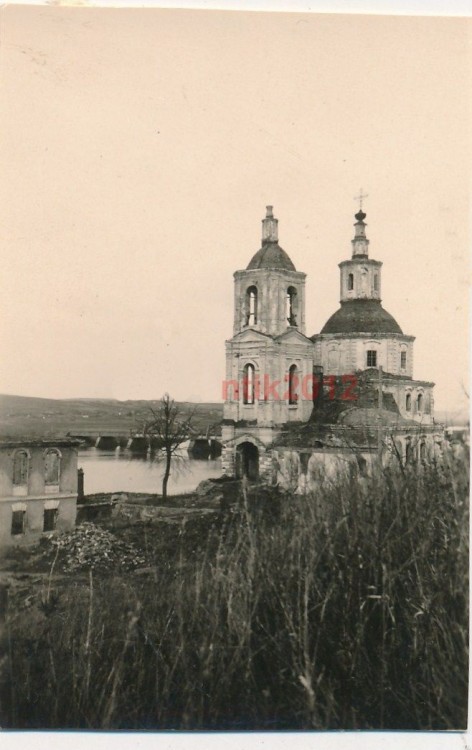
<point x="25" y="416"/>
<point x="459" y="417"/>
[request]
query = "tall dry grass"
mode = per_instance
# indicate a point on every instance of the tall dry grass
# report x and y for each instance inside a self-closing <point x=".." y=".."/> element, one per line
<point x="348" y="609"/>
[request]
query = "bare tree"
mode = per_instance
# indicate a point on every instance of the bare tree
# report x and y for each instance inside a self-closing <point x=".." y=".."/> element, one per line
<point x="168" y="427"/>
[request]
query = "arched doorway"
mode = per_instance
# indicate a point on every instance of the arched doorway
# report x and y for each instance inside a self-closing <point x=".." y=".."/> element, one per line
<point x="247" y="461"/>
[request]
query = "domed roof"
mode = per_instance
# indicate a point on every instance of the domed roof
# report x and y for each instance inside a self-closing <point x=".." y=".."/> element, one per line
<point x="361" y="316"/>
<point x="271" y="255"/>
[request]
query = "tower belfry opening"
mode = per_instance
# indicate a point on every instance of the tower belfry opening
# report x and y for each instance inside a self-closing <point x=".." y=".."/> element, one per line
<point x="251" y="306"/>
<point x="291" y="301"/>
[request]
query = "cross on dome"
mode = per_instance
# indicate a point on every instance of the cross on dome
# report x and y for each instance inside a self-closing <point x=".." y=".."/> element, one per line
<point x="360" y="198"/>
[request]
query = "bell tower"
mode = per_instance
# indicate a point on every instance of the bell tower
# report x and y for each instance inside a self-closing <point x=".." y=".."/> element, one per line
<point x="269" y="295"/>
<point x="269" y="359"/>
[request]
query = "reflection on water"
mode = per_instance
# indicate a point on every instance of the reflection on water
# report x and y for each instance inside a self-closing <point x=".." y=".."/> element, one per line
<point x="116" y="471"/>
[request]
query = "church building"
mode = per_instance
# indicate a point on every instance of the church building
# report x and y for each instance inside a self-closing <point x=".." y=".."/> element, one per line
<point x="295" y="402"/>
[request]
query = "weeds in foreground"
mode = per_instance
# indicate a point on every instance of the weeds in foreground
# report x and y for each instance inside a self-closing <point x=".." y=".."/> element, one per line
<point x="348" y="610"/>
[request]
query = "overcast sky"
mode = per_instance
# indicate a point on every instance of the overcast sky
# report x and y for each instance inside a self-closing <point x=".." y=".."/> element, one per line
<point x="139" y="149"/>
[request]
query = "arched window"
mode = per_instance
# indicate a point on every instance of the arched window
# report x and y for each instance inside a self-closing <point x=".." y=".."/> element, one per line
<point x="249" y="384"/>
<point x="419" y="403"/>
<point x="292" y="385"/>
<point x="403" y="360"/>
<point x="52" y="470"/>
<point x="376" y="282"/>
<point x="422" y="451"/>
<point x="350" y="282"/>
<point x="408" y="402"/>
<point x="291" y="306"/>
<point x="251" y="306"/>
<point x="20" y="472"/>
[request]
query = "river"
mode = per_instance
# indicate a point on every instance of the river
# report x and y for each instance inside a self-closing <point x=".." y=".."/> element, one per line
<point x="118" y="471"/>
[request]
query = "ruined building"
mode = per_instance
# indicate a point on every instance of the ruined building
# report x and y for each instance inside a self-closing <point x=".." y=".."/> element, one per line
<point x="293" y="401"/>
<point x="38" y="488"/>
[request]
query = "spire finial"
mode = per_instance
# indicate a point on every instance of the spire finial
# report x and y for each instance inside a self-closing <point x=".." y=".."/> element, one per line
<point x="269" y="226"/>
<point x="360" y="243"/>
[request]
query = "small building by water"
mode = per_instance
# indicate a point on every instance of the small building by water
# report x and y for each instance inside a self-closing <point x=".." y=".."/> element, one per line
<point x="38" y="488"/>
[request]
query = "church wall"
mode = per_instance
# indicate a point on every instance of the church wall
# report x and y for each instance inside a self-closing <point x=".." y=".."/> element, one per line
<point x="392" y="362"/>
<point x="304" y="470"/>
<point x="272" y="360"/>
<point x="317" y="353"/>
<point x="261" y="437"/>
<point x="345" y="353"/>
<point x="414" y="447"/>
<point x="227" y="451"/>
<point x="425" y="415"/>
<point x="372" y="343"/>
<point x="302" y="410"/>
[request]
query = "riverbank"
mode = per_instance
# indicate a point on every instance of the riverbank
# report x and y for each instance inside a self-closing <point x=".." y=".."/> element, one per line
<point x="209" y="493"/>
<point x="181" y="500"/>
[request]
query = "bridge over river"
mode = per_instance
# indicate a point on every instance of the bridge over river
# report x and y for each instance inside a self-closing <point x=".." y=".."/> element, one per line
<point x="198" y="446"/>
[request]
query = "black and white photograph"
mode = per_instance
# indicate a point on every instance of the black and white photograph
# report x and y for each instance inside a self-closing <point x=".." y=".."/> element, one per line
<point x="234" y="410"/>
